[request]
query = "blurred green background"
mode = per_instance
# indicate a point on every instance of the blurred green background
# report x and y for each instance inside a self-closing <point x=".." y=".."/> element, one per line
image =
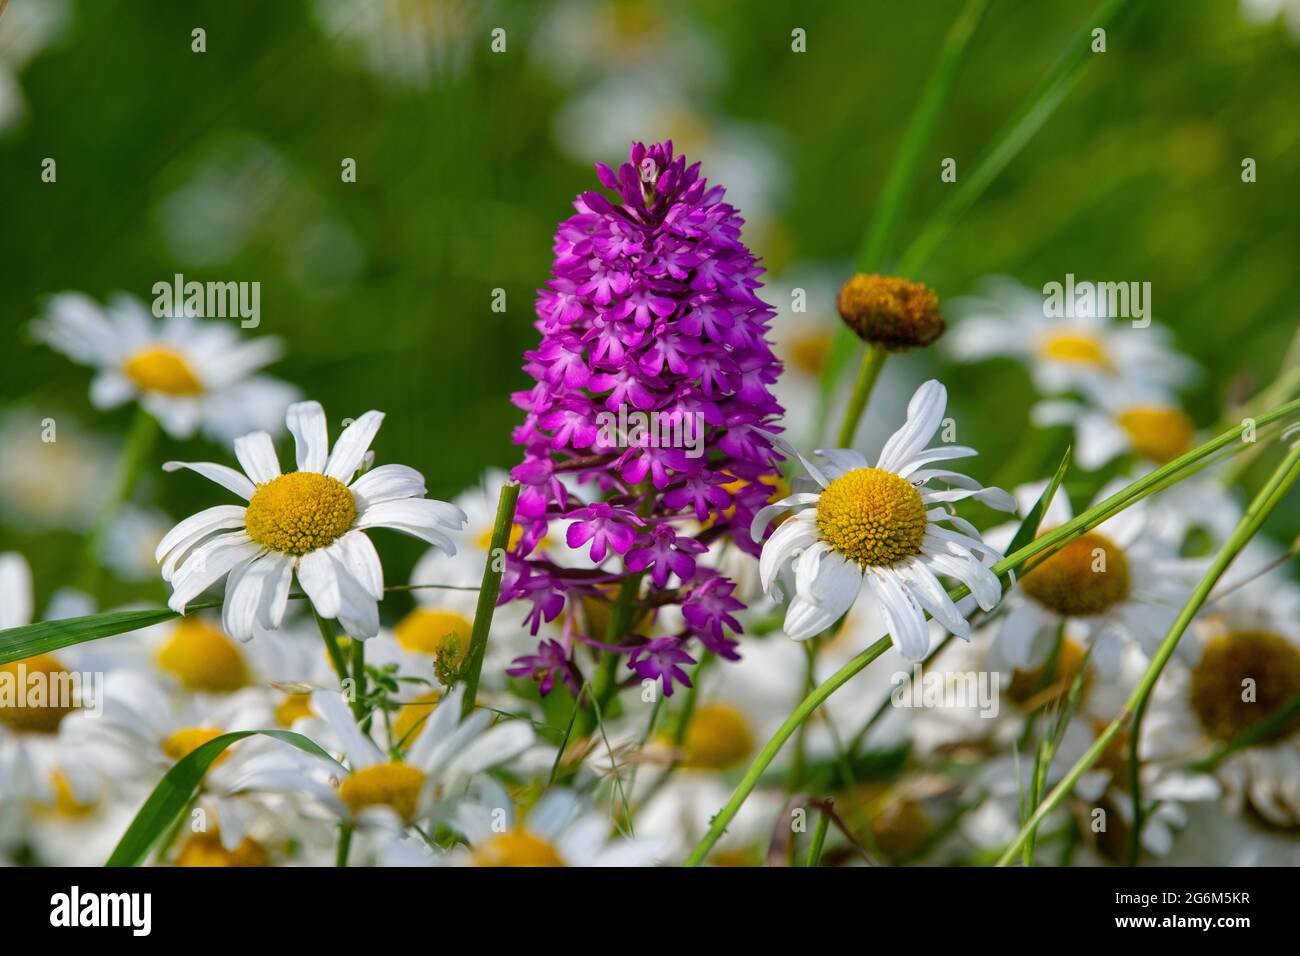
<point x="225" y="165"/>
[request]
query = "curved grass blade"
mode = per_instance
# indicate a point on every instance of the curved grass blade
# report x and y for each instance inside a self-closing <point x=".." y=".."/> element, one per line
<point x="175" y="791"/>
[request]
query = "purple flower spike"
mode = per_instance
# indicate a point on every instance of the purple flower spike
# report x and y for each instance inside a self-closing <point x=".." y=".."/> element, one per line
<point x="651" y="410"/>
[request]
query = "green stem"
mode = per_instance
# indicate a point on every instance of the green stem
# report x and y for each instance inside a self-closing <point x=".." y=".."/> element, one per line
<point x="773" y="746"/>
<point x="1259" y="509"/>
<point x="358" y="649"/>
<point x="1048" y="542"/>
<point x="873" y="360"/>
<point x="345" y="844"/>
<point x="818" y="840"/>
<point x="487" y="595"/>
<point x="809" y="682"/>
<point x="140" y="441"/>
<point x="335" y="652"/>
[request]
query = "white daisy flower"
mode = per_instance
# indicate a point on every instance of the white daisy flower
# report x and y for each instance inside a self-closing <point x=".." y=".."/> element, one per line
<point x="1117" y="584"/>
<point x="310" y="523"/>
<point x="882" y="525"/>
<point x="385" y="793"/>
<point x="1061" y="353"/>
<point x="1121" y="420"/>
<point x="188" y="373"/>
<point x="1240" y="666"/>
<point x="561" y="829"/>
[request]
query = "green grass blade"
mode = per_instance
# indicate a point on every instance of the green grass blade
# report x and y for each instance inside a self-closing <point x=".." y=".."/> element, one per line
<point x="1013" y="138"/>
<point x="902" y="175"/>
<point x="1029" y="527"/>
<point x="17" y="643"/>
<point x="175" y="791"/>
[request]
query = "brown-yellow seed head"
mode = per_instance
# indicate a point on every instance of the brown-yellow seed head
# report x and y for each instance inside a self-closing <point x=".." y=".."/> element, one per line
<point x="890" y="312"/>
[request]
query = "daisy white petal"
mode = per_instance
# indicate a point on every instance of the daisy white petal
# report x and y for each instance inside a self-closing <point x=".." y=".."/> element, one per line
<point x="207" y="564"/>
<point x="256" y="454"/>
<point x="306" y="423"/>
<point x="352" y="445"/>
<point x="388" y="483"/>
<point x="924" y="415"/>
<point x="223" y="475"/>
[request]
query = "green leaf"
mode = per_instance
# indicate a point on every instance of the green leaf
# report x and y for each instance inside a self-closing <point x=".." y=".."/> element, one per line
<point x="17" y="643"/>
<point x="1029" y="527"/>
<point x="175" y="791"/>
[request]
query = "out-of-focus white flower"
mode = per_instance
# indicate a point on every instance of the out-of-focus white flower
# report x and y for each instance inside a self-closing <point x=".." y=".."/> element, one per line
<point x="1265" y="11"/>
<point x="1118" y="583"/>
<point x="188" y="373"/>
<point x="405" y="43"/>
<point x="1066" y="352"/>
<point x="561" y="829"/>
<point x="1119" y="420"/>
<point x="52" y="471"/>
<point x="26" y="28"/>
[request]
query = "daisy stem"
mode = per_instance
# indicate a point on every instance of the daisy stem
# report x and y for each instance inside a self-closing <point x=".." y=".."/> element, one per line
<point x="335" y="653"/>
<point x="1267" y="499"/>
<point x="818" y="840"/>
<point x="358" y="653"/>
<point x="139" y="444"/>
<point x="809" y="682"/>
<point x="1050" y="541"/>
<point x="345" y="844"/>
<point x="873" y="360"/>
<point x="488" y="592"/>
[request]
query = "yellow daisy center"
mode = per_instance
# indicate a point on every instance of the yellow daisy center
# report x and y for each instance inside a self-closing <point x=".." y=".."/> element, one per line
<point x="412" y="717"/>
<point x="717" y="737"/>
<point x="484" y="539"/>
<point x="431" y="631"/>
<point x="1157" y="432"/>
<point x="205" y="849"/>
<point x="808" y="353"/>
<point x="41" y="675"/>
<point x="1076" y="348"/>
<point x="1028" y="690"/>
<point x="517" y="847"/>
<point x="1088" y="576"/>
<point x="294" y="707"/>
<point x="161" y="369"/>
<point x="66" y="803"/>
<point x="203" y="658"/>
<point x="189" y="739"/>
<point x="1244" y="677"/>
<point x="396" y="785"/>
<point x="300" y="512"/>
<point x="872" y="516"/>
